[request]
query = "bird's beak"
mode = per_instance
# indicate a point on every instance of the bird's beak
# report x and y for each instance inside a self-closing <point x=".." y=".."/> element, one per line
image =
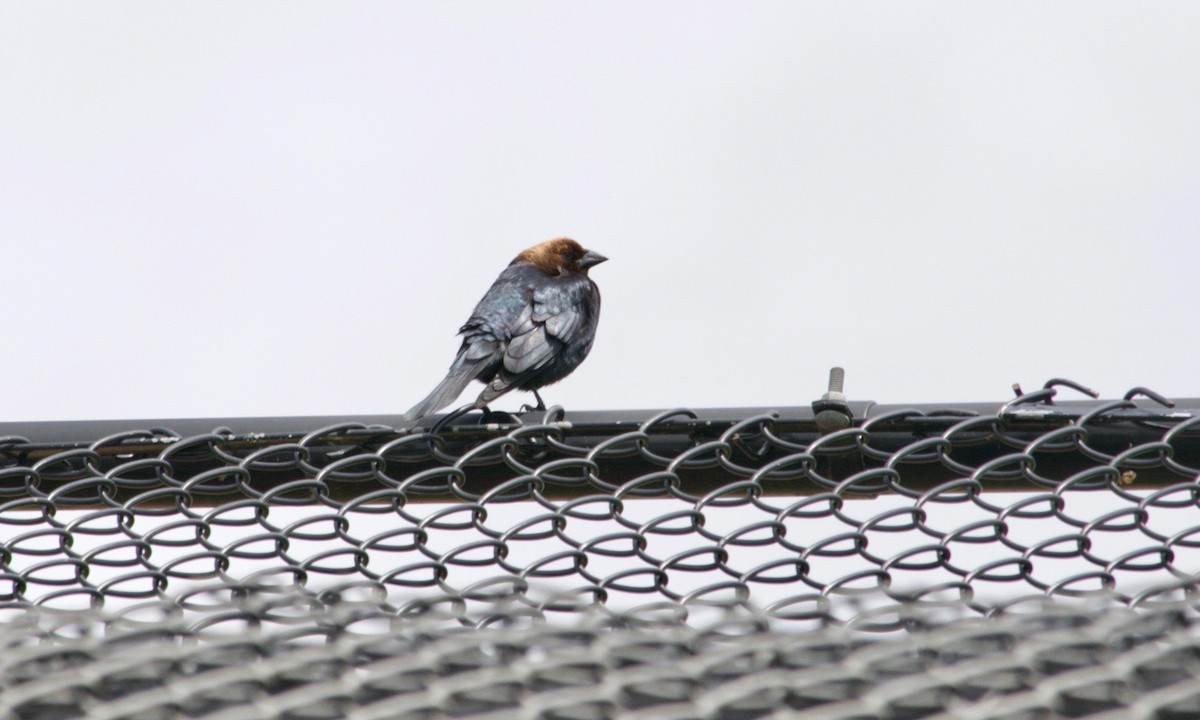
<point x="590" y="258"/>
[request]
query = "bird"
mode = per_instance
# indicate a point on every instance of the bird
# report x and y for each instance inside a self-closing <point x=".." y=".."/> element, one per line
<point x="533" y="327"/>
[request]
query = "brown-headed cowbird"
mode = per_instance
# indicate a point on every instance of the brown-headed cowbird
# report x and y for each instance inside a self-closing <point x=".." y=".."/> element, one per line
<point x="532" y="328"/>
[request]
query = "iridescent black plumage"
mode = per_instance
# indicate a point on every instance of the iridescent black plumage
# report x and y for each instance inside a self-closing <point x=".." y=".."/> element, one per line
<point x="533" y="327"/>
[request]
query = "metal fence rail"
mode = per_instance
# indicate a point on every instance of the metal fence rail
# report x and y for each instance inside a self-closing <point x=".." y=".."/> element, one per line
<point x="721" y="563"/>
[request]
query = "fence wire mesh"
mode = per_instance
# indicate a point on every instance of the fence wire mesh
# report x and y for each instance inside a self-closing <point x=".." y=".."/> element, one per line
<point x="1036" y="559"/>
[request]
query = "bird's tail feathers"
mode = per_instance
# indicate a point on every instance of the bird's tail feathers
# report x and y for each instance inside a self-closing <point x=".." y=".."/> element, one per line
<point x="444" y="394"/>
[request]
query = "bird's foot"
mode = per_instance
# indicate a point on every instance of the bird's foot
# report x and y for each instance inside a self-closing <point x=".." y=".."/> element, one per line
<point x="541" y="406"/>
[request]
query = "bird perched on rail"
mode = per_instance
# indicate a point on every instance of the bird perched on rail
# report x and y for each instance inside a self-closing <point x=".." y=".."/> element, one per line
<point x="532" y="328"/>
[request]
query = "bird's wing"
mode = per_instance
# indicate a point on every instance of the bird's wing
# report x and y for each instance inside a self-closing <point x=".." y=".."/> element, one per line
<point x="552" y="319"/>
<point x="506" y="306"/>
<point x="529" y="347"/>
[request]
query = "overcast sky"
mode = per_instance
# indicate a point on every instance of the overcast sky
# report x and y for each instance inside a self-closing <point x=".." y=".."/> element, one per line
<point x="224" y="209"/>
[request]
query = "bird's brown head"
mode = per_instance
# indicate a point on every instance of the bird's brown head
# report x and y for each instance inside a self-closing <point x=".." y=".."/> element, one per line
<point x="560" y="256"/>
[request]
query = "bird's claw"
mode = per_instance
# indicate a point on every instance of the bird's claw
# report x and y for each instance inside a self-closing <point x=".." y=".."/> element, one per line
<point x="541" y="406"/>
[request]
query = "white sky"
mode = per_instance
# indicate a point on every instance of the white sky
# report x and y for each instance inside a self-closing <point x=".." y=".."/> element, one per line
<point x="223" y="209"/>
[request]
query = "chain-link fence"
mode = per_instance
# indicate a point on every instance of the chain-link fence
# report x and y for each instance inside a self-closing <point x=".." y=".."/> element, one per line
<point x="1023" y="560"/>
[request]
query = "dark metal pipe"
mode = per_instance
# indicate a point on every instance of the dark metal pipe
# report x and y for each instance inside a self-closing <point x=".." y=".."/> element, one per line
<point x="1113" y="427"/>
<point x="82" y="433"/>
